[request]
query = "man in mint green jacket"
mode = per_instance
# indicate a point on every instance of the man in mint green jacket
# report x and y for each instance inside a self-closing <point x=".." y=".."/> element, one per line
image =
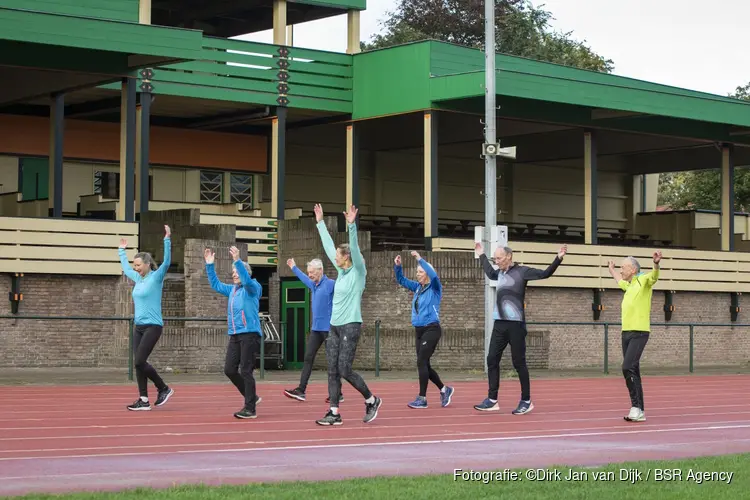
<point x="346" y="319"/>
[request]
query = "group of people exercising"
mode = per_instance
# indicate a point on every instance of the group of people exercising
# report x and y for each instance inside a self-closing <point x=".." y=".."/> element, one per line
<point x="337" y="322"/>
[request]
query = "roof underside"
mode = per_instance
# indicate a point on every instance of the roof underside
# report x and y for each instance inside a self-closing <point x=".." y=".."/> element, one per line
<point x="43" y="54"/>
<point x="230" y="18"/>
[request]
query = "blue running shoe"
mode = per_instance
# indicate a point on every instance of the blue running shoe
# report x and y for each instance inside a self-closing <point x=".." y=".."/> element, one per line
<point x="523" y="407"/>
<point x="420" y="402"/>
<point x="487" y="405"/>
<point x="445" y="397"/>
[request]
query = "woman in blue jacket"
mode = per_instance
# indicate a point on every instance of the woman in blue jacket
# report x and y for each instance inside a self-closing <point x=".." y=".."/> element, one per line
<point x="425" y="317"/>
<point x="243" y="321"/>
<point x="148" y="321"/>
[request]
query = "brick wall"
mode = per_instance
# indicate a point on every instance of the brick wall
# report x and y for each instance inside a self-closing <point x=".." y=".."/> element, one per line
<point x="548" y="346"/>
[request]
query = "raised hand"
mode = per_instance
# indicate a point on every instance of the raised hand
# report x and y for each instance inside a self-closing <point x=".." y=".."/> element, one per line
<point x="478" y="249"/>
<point x="235" y="252"/>
<point x="290" y="263"/>
<point x="397" y="260"/>
<point x="167" y="231"/>
<point x="657" y="257"/>
<point x="209" y="255"/>
<point x="563" y="251"/>
<point x="611" y="266"/>
<point x="318" y="212"/>
<point x="351" y="214"/>
<point x="123" y="243"/>
<point x="415" y="254"/>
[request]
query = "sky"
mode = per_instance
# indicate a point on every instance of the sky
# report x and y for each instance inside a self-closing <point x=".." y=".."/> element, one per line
<point x="683" y="43"/>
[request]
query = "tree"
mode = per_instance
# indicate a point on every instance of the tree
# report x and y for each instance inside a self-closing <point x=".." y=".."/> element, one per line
<point x="522" y="30"/>
<point x="701" y="189"/>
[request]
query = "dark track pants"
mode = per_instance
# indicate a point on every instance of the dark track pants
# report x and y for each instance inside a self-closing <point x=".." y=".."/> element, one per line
<point x="427" y="338"/>
<point x="242" y="351"/>
<point x="145" y="338"/>
<point x="633" y="344"/>
<point x="314" y="341"/>
<point x="504" y="333"/>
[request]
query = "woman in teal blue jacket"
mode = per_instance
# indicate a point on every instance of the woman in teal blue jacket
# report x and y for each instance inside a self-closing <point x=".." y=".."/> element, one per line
<point x="425" y="317"/>
<point x="148" y="321"/>
<point x="243" y="322"/>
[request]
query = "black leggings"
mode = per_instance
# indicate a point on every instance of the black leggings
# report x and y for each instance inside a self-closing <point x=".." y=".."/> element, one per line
<point x="242" y="351"/>
<point x="633" y="344"/>
<point x="145" y="338"/>
<point x="341" y="347"/>
<point x="504" y="333"/>
<point x="314" y="341"/>
<point x="427" y="339"/>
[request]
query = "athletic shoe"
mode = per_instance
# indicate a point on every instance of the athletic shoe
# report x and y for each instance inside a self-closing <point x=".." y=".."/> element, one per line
<point x="140" y="405"/>
<point x="164" y="396"/>
<point x="258" y="399"/>
<point x="295" y="394"/>
<point x="487" y="405"/>
<point x="523" y="407"/>
<point x="636" y="415"/>
<point x="244" y="414"/>
<point x="445" y="397"/>
<point x="341" y="399"/>
<point x="330" y="419"/>
<point x="371" y="410"/>
<point x="420" y="402"/>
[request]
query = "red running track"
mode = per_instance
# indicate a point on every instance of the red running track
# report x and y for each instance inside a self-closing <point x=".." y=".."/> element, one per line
<point x="72" y="438"/>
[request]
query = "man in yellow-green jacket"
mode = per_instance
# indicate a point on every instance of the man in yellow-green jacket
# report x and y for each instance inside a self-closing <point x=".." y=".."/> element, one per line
<point x="636" y="325"/>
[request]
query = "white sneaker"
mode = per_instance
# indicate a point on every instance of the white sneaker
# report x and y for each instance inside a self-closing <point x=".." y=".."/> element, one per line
<point x="635" y="415"/>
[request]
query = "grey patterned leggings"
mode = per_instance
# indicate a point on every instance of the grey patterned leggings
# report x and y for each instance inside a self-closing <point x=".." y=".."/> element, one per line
<point x="341" y="346"/>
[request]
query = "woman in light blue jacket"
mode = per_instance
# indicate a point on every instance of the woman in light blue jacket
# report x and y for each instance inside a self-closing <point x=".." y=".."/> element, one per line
<point x="425" y="317"/>
<point x="243" y="321"/>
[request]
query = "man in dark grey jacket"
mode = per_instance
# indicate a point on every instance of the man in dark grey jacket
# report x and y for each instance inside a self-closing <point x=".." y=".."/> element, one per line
<point x="510" y="321"/>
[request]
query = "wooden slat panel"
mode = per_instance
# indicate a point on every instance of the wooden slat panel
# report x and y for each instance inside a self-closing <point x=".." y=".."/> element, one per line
<point x="261" y="248"/>
<point x="65" y="239"/>
<point x="52" y="267"/>
<point x="262" y="260"/>
<point x="68" y="225"/>
<point x="27" y="252"/>
<point x="256" y="235"/>
<point x="239" y="220"/>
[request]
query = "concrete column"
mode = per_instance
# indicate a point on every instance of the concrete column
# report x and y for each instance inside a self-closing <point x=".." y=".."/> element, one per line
<point x="430" y="177"/>
<point x="144" y="11"/>
<point x="727" y="198"/>
<point x="278" y="162"/>
<point x="590" y="180"/>
<point x="279" y="22"/>
<point x="352" y="165"/>
<point x="352" y="32"/>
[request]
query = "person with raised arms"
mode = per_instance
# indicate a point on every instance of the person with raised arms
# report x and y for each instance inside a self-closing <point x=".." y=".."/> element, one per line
<point x="321" y="287"/>
<point x="244" y="329"/>
<point x="148" y="321"/>
<point x="346" y="319"/>
<point x="425" y="318"/>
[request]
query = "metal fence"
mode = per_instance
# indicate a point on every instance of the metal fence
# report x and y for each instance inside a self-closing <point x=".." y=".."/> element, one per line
<point x="606" y="326"/>
<point x="282" y="338"/>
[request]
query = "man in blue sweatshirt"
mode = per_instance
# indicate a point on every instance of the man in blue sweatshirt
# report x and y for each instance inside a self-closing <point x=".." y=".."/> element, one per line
<point x="425" y="317"/>
<point x="322" y="288"/>
<point x="243" y="321"/>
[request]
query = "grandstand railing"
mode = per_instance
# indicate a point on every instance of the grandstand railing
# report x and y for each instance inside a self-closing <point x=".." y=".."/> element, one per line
<point x="586" y="266"/>
<point x="64" y="246"/>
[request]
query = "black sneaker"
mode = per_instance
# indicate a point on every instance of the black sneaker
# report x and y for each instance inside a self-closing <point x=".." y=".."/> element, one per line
<point x="140" y="405"/>
<point x="330" y="419"/>
<point x="371" y="410"/>
<point x="295" y="394"/>
<point x="164" y="396"/>
<point x="341" y="399"/>
<point x="245" y="413"/>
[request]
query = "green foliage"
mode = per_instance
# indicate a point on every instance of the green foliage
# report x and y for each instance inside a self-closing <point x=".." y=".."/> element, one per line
<point x="701" y="189"/>
<point x="522" y="30"/>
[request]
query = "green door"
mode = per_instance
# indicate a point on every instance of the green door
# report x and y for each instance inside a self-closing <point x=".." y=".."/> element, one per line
<point x="34" y="178"/>
<point x="295" y="316"/>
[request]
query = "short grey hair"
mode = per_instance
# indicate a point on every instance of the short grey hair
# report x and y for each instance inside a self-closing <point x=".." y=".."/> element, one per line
<point x="315" y="264"/>
<point x="507" y="250"/>
<point x="634" y="262"/>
